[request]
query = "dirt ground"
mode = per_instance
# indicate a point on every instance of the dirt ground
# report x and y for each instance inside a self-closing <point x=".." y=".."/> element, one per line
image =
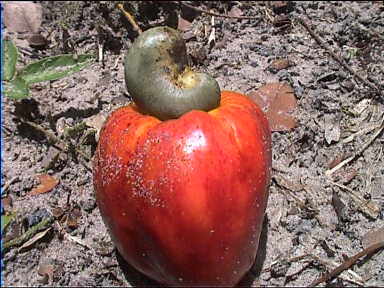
<point x="314" y="221"/>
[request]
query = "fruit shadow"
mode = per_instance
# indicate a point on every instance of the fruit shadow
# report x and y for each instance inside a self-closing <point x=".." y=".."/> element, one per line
<point x="134" y="277"/>
<point x="253" y="274"/>
<point x="137" y="279"/>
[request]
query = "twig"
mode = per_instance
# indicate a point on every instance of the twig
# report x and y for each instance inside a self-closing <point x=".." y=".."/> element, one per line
<point x="27" y="235"/>
<point x="359" y="152"/>
<point x="366" y="206"/>
<point x="348" y="263"/>
<point x="130" y="18"/>
<point x="116" y="63"/>
<point x="290" y="260"/>
<point x="278" y="180"/>
<point x="352" y="277"/>
<point x="61" y="143"/>
<point x="362" y="131"/>
<point x="70" y="237"/>
<point x="336" y="57"/>
<point x="215" y="14"/>
<point x="8" y="184"/>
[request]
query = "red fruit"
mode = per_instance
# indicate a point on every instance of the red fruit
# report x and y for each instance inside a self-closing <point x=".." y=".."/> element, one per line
<point x="184" y="199"/>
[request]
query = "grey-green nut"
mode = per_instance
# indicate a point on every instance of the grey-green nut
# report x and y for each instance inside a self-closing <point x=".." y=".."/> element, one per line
<point x="158" y="78"/>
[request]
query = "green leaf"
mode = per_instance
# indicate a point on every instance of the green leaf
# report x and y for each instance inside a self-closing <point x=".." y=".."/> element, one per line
<point x="10" y="58"/>
<point x="5" y="220"/>
<point x="55" y="67"/>
<point x="16" y="89"/>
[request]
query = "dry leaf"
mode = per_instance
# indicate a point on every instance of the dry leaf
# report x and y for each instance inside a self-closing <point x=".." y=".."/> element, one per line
<point x="278" y="102"/>
<point x="332" y="128"/>
<point x="373" y="237"/>
<point x="73" y="218"/>
<point x="47" y="271"/>
<point x="57" y="212"/>
<point x="6" y="203"/>
<point x="23" y="16"/>
<point x="37" y="40"/>
<point x="369" y="207"/>
<point x="35" y="238"/>
<point x="281" y="6"/>
<point x="281" y="20"/>
<point x="96" y="122"/>
<point x="235" y="12"/>
<point x="47" y="183"/>
<point x="345" y="176"/>
<point x="288" y="184"/>
<point x="280" y="64"/>
<point x="339" y="207"/>
<point x="336" y="161"/>
<point x="183" y="25"/>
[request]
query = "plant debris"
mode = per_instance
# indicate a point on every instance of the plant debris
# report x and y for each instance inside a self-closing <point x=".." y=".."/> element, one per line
<point x="35" y="239"/>
<point x="336" y="60"/>
<point x="22" y="16"/>
<point x="278" y="102"/>
<point x="47" y="183"/>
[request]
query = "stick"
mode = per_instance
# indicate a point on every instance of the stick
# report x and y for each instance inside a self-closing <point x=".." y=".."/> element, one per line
<point x="213" y="13"/>
<point x="348" y="263"/>
<point x="337" y="58"/>
<point x="8" y="184"/>
<point x="359" y="152"/>
<point x="27" y="235"/>
<point x="61" y="143"/>
<point x="130" y="18"/>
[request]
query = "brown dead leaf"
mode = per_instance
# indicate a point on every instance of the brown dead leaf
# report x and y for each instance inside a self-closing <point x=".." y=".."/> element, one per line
<point x="373" y="237"/>
<point x="22" y="16"/>
<point x="73" y="217"/>
<point x="7" y="203"/>
<point x="57" y="212"/>
<point x="280" y="64"/>
<point x="47" y="183"/>
<point x="278" y="102"/>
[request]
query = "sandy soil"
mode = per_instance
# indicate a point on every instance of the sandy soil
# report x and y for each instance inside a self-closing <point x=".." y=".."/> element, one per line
<point x="323" y="219"/>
